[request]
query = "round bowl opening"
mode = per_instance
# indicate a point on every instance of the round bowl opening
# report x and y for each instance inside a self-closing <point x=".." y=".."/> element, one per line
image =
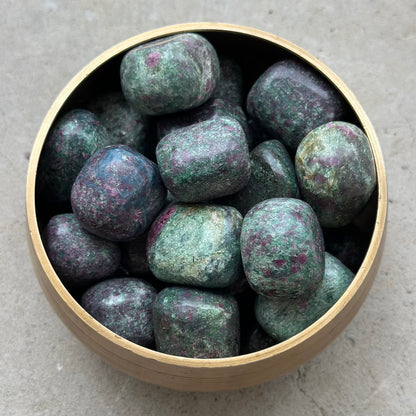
<point x="255" y="51"/>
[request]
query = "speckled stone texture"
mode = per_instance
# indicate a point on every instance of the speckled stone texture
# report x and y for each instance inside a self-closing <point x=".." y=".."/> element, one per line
<point x="230" y="86"/>
<point x="290" y="99"/>
<point x="204" y="161"/>
<point x="282" y="248"/>
<point x="124" y="124"/>
<point x="196" y="323"/>
<point x="284" y="318"/>
<point x="196" y="245"/>
<point x="125" y="306"/>
<point x="78" y="257"/>
<point x="72" y="140"/>
<point x="272" y="176"/>
<point x="214" y="107"/>
<point x="170" y="74"/>
<point x="336" y="172"/>
<point x="118" y="193"/>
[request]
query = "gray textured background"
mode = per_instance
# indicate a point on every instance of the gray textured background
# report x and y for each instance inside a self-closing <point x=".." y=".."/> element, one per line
<point x="370" y="369"/>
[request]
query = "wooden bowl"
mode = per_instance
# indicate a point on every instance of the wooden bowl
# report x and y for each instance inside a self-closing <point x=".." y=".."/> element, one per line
<point x="256" y="50"/>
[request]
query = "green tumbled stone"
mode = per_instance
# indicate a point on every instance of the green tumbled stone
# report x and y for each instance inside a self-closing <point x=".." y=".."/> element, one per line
<point x="214" y="107"/>
<point x="125" y="306"/>
<point x="124" y="125"/>
<point x="71" y="141"/>
<point x="230" y="86"/>
<point x="196" y="323"/>
<point x="282" y="248"/>
<point x="170" y="74"/>
<point x="196" y="245"/>
<point x="78" y="257"/>
<point x="336" y="172"/>
<point x="205" y="160"/>
<point x="272" y="176"/>
<point x="290" y="99"/>
<point x="284" y="318"/>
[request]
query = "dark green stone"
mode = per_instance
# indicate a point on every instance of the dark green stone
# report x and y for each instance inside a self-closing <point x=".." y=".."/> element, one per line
<point x="214" y="107"/>
<point x="125" y="306"/>
<point x="272" y="176"/>
<point x="124" y="124"/>
<point x="196" y="245"/>
<point x="171" y="74"/>
<point x="336" y="172"/>
<point x="282" y="248"/>
<point x="78" y="257"/>
<point x="230" y="86"/>
<point x="290" y="99"/>
<point x="71" y="141"/>
<point x="205" y="160"/>
<point x="283" y="318"/>
<point x="196" y="323"/>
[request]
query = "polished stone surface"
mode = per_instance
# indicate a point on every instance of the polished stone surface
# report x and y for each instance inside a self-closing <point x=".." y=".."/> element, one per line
<point x="369" y="370"/>
<point x="124" y="305"/>
<point x="284" y="318"/>
<point x="196" y="245"/>
<point x="117" y="193"/>
<point x="282" y="248"/>
<point x="196" y="166"/>
<point x="290" y="99"/>
<point x="168" y="75"/>
<point x="196" y="323"/>
<point x="336" y="172"/>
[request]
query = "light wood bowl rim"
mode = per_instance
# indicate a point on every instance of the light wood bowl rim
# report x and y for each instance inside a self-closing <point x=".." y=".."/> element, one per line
<point x="243" y="360"/>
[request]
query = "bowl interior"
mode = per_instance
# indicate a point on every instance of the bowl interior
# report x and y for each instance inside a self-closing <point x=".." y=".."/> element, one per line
<point x="255" y="51"/>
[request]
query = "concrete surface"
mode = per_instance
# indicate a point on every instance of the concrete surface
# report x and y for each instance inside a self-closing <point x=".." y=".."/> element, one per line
<point x="370" y="369"/>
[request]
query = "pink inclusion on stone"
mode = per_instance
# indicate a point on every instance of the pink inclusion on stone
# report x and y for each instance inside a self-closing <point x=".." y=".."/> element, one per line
<point x="319" y="178"/>
<point x="152" y="59"/>
<point x="157" y="226"/>
<point x="302" y="258"/>
<point x="303" y="305"/>
<point x="267" y="273"/>
<point x="279" y="263"/>
<point x="294" y="269"/>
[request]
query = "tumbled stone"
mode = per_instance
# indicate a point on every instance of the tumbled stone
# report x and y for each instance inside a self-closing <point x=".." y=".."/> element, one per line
<point x="291" y="99"/>
<point x="71" y="141"/>
<point x="124" y="305"/>
<point x="195" y="323"/>
<point x="272" y="176"/>
<point x="282" y="248"/>
<point x="124" y="125"/>
<point x="336" y="172"/>
<point x="214" y="107"/>
<point x="196" y="245"/>
<point x="206" y="160"/>
<point x="78" y="257"/>
<point x="230" y="85"/>
<point x="118" y="193"/>
<point x="171" y="74"/>
<point x="283" y="318"/>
